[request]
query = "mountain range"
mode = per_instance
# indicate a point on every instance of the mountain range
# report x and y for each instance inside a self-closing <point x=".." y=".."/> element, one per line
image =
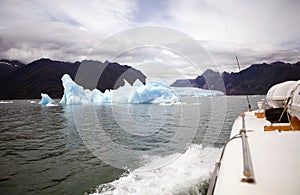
<point x="254" y="80"/>
<point x="19" y="80"/>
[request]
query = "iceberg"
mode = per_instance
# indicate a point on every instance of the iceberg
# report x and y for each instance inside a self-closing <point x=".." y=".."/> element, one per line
<point x="196" y="92"/>
<point x="73" y="93"/>
<point x="76" y="94"/>
<point x="153" y="92"/>
<point x="47" y="100"/>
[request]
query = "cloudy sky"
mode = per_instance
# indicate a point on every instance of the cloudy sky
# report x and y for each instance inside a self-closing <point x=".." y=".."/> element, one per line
<point x="256" y="31"/>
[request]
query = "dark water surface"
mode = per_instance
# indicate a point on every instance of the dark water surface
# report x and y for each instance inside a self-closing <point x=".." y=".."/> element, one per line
<point x="41" y="151"/>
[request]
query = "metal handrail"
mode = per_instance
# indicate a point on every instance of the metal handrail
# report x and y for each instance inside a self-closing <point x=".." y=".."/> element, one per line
<point x="248" y="168"/>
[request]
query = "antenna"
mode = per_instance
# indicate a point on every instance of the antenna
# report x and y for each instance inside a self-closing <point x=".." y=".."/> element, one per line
<point x="237" y="61"/>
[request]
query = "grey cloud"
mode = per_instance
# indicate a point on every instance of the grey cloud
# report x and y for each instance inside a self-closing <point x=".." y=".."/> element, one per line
<point x="55" y="40"/>
<point x="249" y="54"/>
<point x="28" y="32"/>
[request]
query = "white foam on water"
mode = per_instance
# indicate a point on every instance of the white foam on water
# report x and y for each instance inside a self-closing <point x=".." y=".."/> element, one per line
<point x="179" y="177"/>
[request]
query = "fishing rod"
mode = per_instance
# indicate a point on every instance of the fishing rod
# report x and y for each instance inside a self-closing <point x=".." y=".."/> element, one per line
<point x="243" y="82"/>
<point x="238" y="63"/>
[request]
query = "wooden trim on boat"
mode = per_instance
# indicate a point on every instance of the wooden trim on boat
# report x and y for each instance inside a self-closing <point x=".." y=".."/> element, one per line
<point x="260" y="114"/>
<point x="294" y="125"/>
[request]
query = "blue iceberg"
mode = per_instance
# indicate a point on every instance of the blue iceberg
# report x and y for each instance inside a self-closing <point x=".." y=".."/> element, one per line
<point x="47" y="100"/>
<point x="73" y="93"/>
<point x="153" y="92"/>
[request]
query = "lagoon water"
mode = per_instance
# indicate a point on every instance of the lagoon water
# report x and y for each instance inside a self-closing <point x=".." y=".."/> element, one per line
<point x="43" y="150"/>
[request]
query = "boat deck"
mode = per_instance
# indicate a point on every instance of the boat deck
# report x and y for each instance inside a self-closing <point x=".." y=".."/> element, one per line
<point x="275" y="159"/>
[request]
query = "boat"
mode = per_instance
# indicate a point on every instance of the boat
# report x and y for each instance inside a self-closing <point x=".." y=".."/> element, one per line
<point x="262" y="155"/>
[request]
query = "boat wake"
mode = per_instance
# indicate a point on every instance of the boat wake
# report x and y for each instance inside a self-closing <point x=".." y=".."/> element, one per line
<point x="189" y="173"/>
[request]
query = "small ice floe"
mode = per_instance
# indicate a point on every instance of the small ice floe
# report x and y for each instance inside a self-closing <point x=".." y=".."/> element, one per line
<point x="46" y="100"/>
<point x="32" y="101"/>
<point x="6" y="102"/>
<point x="51" y="105"/>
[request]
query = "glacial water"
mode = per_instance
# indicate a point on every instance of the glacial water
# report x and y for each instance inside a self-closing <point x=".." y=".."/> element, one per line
<point x="44" y="150"/>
